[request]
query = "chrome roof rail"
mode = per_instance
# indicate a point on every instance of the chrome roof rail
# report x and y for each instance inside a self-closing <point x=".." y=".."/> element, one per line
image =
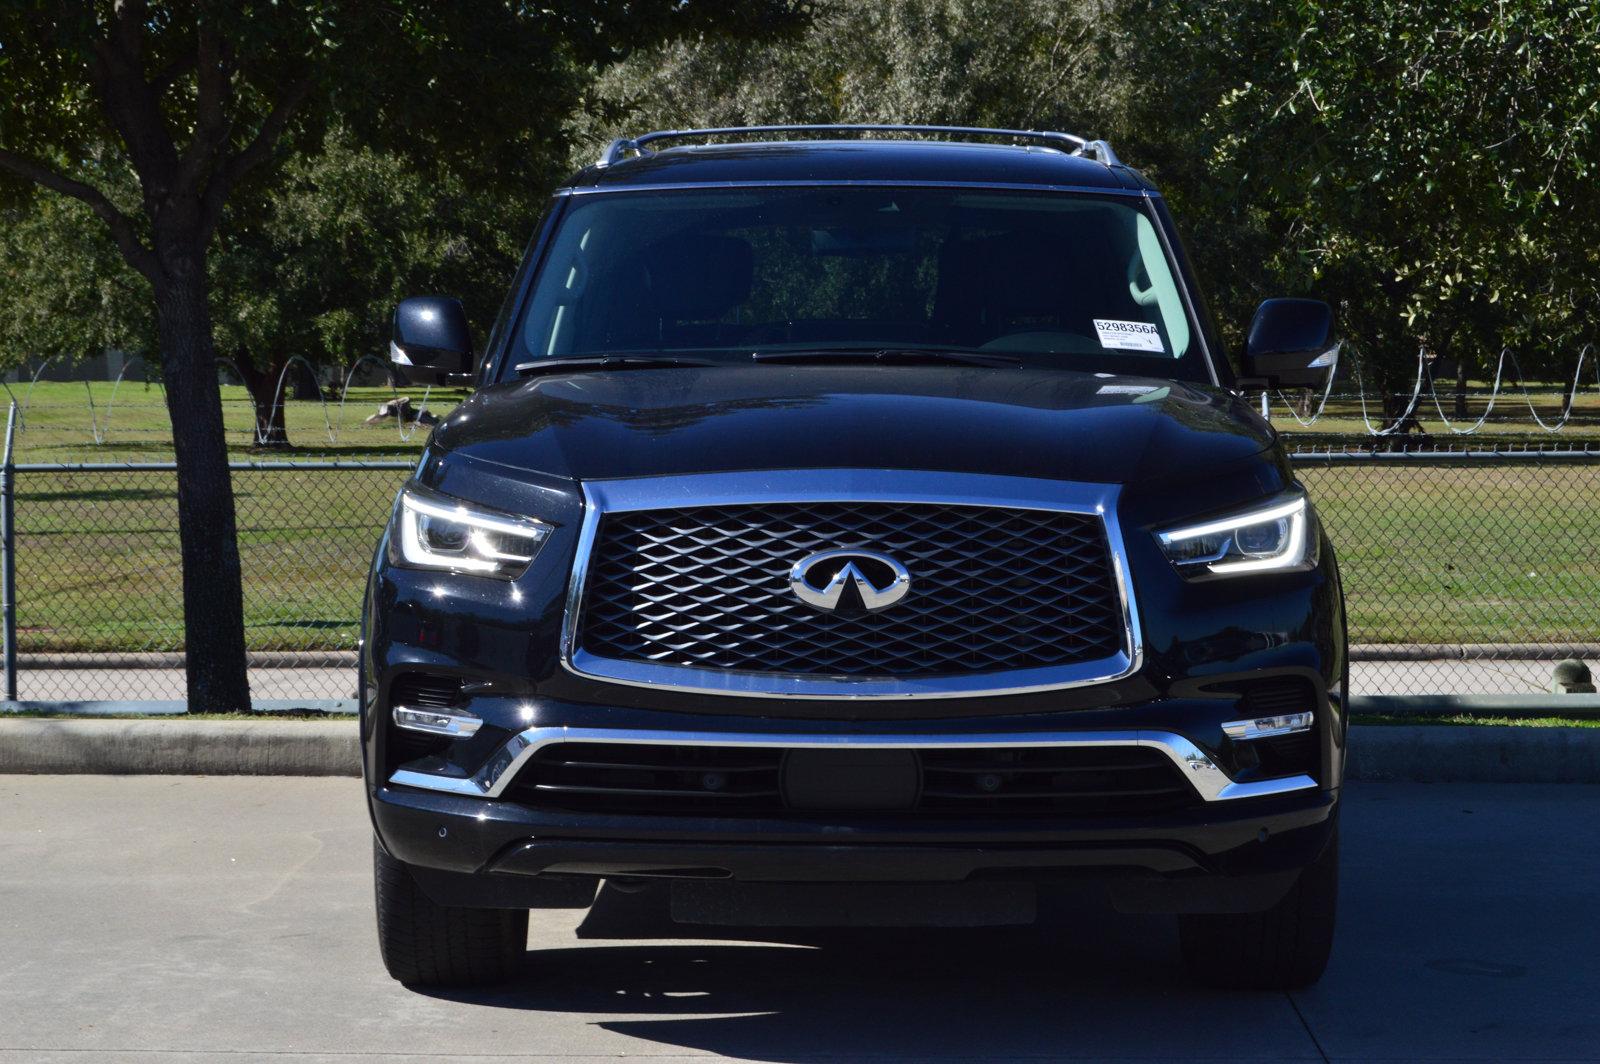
<point x="1100" y="151"/>
<point x="1072" y="144"/>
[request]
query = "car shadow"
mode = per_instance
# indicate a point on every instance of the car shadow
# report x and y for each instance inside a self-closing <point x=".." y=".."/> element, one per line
<point x="1084" y="982"/>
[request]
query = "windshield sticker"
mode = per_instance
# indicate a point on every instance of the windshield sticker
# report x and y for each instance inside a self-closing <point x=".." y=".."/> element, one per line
<point x="1129" y="335"/>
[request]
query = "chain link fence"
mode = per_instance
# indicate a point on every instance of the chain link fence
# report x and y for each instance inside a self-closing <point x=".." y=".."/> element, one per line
<point x="1465" y="574"/>
<point x="99" y="592"/>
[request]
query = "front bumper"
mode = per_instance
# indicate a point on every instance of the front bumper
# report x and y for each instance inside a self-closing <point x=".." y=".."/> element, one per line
<point x="1235" y="856"/>
<point x="1237" y="847"/>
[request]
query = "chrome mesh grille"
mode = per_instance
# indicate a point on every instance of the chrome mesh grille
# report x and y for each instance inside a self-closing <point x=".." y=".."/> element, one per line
<point x="993" y="589"/>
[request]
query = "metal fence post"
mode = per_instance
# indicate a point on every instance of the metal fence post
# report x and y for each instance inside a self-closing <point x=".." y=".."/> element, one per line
<point x="8" y="556"/>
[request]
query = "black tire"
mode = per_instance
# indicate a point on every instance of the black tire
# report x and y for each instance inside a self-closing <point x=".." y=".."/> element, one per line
<point x="1284" y="948"/>
<point x="427" y="944"/>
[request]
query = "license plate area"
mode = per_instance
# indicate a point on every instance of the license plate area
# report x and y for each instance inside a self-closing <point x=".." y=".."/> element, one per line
<point x="828" y="779"/>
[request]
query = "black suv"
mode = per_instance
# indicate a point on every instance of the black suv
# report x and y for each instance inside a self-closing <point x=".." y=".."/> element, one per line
<point x="855" y="522"/>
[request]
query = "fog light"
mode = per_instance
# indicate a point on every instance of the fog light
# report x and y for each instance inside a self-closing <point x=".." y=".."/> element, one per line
<point x="1266" y="727"/>
<point x="437" y="722"/>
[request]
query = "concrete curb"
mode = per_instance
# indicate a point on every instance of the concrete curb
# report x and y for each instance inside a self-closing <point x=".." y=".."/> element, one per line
<point x="1426" y="753"/>
<point x="1474" y="753"/>
<point x="180" y="747"/>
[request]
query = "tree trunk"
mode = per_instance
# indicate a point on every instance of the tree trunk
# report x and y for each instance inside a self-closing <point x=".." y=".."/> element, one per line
<point x="303" y="383"/>
<point x="213" y="598"/>
<point x="262" y="384"/>
<point x="1461" y="388"/>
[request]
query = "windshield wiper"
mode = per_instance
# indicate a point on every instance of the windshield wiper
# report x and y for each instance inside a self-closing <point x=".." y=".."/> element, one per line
<point x="579" y="362"/>
<point x="901" y="355"/>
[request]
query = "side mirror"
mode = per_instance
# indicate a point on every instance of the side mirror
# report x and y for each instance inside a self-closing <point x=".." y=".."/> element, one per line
<point x="431" y="342"/>
<point x="1291" y="344"/>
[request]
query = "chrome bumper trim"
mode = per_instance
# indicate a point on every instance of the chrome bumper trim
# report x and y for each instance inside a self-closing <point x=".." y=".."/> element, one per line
<point x="1208" y="780"/>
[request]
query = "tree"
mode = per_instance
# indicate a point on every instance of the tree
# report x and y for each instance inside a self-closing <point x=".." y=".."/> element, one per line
<point x="197" y="96"/>
<point x="1429" y="165"/>
<point x="349" y="231"/>
<point x="1027" y="64"/>
<point x="65" y="290"/>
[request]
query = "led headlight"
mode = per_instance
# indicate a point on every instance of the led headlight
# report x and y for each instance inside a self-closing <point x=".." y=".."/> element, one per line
<point x="1275" y="536"/>
<point x="439" y="533"/>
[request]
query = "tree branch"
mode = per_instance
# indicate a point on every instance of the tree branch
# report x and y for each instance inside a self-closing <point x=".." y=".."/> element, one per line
<point x="132" y="104"/>
<point x="139" y="256"/>
<point x="214" y="88"/>
<point x="167" y="76"/>
<point x="128" y="29"/>
<point x="228" y="173"/>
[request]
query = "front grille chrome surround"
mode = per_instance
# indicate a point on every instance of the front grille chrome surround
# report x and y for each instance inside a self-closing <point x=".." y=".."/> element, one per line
<point x="853" y="486"/>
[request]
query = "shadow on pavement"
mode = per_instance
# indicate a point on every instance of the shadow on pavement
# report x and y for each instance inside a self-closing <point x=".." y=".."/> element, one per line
<point x="1084" y="982"/>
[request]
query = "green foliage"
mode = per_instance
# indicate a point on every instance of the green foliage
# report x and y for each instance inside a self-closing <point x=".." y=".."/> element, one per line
<point x="418" y="140"/>
<point x="1017" y="63"/>
<point x="1430" y="166"/>
<point x="349" y="233"/>
<point x="65" y="290"/>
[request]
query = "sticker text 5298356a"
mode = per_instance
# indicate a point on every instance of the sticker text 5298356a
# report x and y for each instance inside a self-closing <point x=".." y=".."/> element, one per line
<point x="1128" y="335"/>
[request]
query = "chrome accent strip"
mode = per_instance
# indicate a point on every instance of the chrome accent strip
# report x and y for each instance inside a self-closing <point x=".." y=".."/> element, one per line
<point x="849" y="485"/>
<point x="1267" y="727"/>
<point x="1070" y="143"/>
<point x="458" y="725"/>
<point x="1053" y="138"/>
<point x="491" y="781"/>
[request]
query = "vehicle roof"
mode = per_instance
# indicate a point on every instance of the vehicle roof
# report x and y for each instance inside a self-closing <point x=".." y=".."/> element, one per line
<point x="859" y="160"/>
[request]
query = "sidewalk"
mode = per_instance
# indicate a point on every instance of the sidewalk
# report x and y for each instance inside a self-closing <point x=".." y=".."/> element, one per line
<point x="167" y="684"/>
<point x="1452" y="677"/>
<point x="322" y="682"/>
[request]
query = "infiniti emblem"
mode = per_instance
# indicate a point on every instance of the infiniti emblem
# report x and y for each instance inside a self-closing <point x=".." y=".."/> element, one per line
<point x="821" y="579"/>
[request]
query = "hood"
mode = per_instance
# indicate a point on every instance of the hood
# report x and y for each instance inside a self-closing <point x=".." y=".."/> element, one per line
<point x="1016" y="422"/>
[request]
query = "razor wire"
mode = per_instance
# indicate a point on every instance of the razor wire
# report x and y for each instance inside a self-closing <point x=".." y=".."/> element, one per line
<point x="99" y="418"/>
<point x="1398" y="423"/>
<point x="335" y="418"/>
<point x="263" y="437"/>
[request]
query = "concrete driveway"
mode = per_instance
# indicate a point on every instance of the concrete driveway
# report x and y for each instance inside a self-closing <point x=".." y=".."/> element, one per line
<point x="173" y="918"/>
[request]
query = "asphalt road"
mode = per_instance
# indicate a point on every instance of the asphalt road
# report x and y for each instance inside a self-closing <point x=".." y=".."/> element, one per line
<point x="173" y="918"/>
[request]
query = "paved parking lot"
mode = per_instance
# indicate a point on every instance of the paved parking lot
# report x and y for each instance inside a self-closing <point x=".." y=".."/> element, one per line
<point x="174" y="918"/>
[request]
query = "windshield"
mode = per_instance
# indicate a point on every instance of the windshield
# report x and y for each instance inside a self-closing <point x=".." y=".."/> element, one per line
<point x="1058" y="279"/>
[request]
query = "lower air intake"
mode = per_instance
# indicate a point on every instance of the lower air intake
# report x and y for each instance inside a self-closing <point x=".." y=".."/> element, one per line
<point x="754" y="781"/>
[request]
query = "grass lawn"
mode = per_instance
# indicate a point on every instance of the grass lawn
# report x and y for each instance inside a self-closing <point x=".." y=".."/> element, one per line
<point x="97" y="557"/>
<point x="1481" y="553"/>
<point x="1491" y="552"/>
<point x="130" y="420"/>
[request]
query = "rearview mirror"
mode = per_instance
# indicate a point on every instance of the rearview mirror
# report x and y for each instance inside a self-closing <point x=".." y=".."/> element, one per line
<point x="1290" y="344"/>
<point x="432" y="343"/>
